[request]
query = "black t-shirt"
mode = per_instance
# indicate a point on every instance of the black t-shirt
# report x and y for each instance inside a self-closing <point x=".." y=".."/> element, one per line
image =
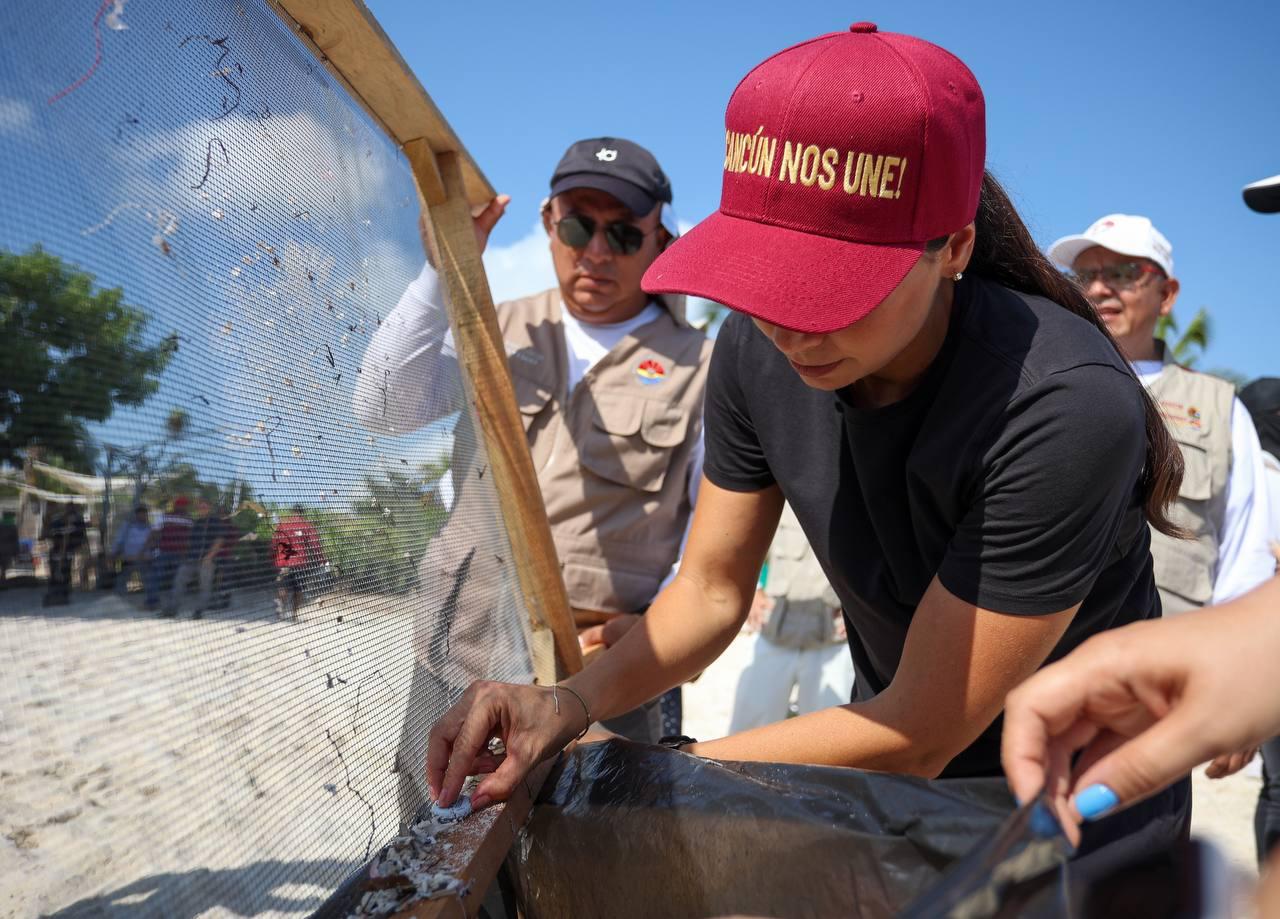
<point x="1011" y="472"/>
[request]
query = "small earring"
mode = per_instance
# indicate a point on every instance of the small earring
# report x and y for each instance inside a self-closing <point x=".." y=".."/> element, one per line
<point x="957" y="276"/>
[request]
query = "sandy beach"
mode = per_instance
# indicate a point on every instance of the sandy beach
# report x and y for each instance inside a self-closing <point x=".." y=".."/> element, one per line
<point x="237" y="762"/>
<point x="242" y="764"/>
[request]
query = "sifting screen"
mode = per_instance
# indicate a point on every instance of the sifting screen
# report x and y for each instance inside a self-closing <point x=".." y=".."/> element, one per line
<point x="246" y="559"/>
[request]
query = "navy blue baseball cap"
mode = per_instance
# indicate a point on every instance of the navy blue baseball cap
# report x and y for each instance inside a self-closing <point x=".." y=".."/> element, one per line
<point x="616" y="166"/>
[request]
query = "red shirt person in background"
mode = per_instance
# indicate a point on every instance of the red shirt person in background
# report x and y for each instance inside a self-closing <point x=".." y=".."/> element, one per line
<point x="172" y="542"/>
<point x="296" y="551"/>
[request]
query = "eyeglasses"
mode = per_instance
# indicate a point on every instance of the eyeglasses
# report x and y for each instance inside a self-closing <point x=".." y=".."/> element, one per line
<point x="576" y="231"/>
<point x="1120" y="276"/>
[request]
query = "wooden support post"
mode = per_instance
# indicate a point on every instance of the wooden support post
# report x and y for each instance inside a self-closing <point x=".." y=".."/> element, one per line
<point x="422" y="159"/>
<point x="483" y="358"/>
<point x="346" y="38"/>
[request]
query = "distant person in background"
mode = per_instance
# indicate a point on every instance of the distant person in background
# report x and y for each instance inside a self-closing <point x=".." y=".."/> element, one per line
<point x="1262" y="398"/>
<point x="8" y="543"/>
<point x="297" y="552"/>
<point x="1125" y="266"/>
<point x="209" y="541"/>
<point x="801" y="645"/>
<point x="67" y="534"/>
<point x="132" y="549"/>
<point x="172" y="543"/>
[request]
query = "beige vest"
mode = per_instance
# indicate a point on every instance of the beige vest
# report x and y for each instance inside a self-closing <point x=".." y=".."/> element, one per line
<point x="612" y="457"/>
<point x="802" y="599"/>
<point x="1197" y="409"/>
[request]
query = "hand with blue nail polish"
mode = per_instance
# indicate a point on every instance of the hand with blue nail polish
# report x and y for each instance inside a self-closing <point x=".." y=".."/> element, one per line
<point x="1133" y="710"/>
<point x="1096" y="801"/>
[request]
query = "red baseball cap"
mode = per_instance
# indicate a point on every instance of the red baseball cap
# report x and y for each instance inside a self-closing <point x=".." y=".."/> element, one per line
<point x="844" y="155"/>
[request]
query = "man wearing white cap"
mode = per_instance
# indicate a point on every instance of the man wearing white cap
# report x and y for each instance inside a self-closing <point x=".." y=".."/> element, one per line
<point x="1125" y="266"/>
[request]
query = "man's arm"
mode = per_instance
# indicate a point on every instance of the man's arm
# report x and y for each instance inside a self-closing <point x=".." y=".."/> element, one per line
<point x="409" y="377"/>
<point x="1244" y="554"/>
<point x="958" y="665"/>
<point x="409" y="374"/>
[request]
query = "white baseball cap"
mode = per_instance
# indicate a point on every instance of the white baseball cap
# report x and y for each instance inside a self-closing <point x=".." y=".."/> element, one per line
<point x="1123" y="233"/>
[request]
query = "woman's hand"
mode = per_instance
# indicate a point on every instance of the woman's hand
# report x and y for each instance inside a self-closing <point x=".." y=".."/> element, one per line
<point x="524" y="718"/>
<point x="1144" y="705"/>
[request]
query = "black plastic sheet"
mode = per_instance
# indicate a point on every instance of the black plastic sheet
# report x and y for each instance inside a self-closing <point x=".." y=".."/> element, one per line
<point x="625" y="830"/>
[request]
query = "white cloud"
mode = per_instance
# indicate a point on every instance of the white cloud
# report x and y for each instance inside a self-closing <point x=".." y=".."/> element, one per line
<point x="15" y="115"/>
<point x="289" y="163"/>
<point x="520" y="268"/>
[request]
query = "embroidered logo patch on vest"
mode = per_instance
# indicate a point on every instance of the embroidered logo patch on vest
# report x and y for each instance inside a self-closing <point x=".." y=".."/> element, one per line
<point x="1179" y="414"/>
<point x="650" y="371"/>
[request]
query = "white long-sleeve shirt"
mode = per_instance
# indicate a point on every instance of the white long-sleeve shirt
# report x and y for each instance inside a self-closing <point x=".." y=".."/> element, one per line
<point x="409" y="375"/>
<point x="1244" y="553"/>
<point x="1271" y="468"/>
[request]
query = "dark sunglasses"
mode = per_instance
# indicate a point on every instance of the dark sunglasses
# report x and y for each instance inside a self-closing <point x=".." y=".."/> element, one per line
<point x="1118" y="277"/>
<point x="576" y="230"/>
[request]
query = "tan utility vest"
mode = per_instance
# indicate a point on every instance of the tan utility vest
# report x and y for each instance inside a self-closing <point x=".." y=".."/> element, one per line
<point x="612" y="457"/>
<point x="803" y="601"/>
<point x="1197" y="409"/>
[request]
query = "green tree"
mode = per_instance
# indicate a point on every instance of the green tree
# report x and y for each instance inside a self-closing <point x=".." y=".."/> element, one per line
<point x="378" y="544"/>
<point x="1189" y="346"/>
<point x="70" y="354"/>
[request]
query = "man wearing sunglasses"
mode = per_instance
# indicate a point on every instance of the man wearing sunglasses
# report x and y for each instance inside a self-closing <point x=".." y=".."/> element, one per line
<point x="1125" y="266"/>
<point x="609" y="383"/>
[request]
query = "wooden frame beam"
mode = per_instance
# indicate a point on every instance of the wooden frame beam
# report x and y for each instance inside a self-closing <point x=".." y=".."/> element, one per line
<point x="483" y="357"/>
<point x="349" y="42"/>
<point x="347" y="39"/>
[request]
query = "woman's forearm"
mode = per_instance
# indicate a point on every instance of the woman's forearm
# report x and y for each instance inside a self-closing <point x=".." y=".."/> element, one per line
<point x="937" y="704"/>
<point x="862" y="735"/>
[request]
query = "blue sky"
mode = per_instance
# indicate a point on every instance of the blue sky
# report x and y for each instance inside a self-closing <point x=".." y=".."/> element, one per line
<point x="1159" y="109"/>
<point x="268" y="222"/>
<point x="140" y="172"/>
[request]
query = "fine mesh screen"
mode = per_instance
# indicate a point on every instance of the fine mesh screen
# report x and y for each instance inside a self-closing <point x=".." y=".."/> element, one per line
<point x="200" y="239"/>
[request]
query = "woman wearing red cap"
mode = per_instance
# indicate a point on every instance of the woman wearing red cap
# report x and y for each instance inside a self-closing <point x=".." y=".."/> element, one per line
<point x="969" y="454"/>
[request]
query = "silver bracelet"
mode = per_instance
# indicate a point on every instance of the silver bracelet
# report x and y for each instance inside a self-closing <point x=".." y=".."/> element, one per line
<point x="555" y="687"/>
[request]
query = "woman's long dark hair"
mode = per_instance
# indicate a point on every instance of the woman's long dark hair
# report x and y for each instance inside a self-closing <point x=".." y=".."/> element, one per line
<point x="1004" y="252"/>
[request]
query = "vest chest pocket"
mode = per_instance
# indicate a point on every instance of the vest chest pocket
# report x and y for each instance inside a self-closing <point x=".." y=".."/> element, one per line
<point x="1197" y="478"/>
<point x="531" y="398"/>
<point x="632" y="441"/>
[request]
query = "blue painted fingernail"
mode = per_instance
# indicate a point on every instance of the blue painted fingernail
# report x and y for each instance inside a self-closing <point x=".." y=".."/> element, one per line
<point x="1095" y="801"/>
